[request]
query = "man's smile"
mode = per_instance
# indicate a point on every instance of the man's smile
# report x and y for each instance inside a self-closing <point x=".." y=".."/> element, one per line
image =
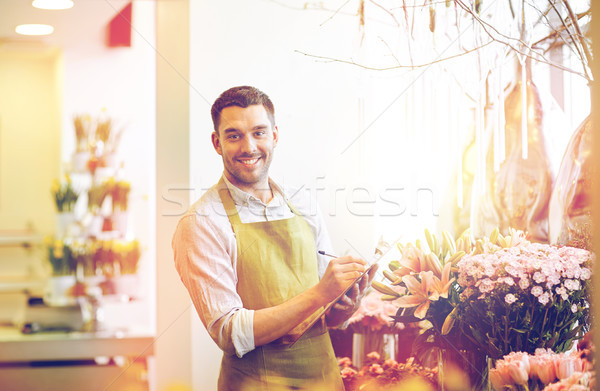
<point x="249" y="162"/>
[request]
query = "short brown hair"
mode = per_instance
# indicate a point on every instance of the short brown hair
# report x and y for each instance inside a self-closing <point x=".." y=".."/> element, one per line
<point x="242" y="96"/>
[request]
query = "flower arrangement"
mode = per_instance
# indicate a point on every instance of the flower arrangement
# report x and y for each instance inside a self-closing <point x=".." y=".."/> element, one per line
<point x="64" y="194"/>
<point x="82" y="125"/>
<point x="374" y="315"/>
<point x="379" y="374"/>
<point x="424" y="287"/>
<point x="104" y="257"/>
<point x="96" y="196"/>
<point x="60" y="257"/>
<point x="116" y="257"/>
<point x="524" y="297"/>
<point x="106" y="135"/>
<point x="544" y="370"/>
<point x="490" y="296"/>
<point x="120" y="195"/>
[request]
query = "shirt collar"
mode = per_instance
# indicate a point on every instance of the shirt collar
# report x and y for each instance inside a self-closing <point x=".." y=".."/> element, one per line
<point x="240" y="197"/>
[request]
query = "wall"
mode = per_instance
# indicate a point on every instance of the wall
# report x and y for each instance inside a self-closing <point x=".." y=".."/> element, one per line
<point x="30" y="112"/>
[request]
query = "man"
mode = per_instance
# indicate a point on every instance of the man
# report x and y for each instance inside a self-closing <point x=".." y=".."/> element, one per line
<point x="249" y="260"/>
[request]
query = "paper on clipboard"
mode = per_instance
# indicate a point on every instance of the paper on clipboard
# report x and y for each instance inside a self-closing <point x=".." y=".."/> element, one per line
<point x="303" y="327"/>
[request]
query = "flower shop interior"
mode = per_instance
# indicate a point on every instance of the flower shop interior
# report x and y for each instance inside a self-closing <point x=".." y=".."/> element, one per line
<point x="401" y="120"/>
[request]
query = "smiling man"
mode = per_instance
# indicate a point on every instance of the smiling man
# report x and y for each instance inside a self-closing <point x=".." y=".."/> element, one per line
<point x="248" y="256"/>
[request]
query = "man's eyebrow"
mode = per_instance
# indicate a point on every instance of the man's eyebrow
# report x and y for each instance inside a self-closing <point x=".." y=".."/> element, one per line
<point x="260" y="127"/>
<point x="230" y="130"/>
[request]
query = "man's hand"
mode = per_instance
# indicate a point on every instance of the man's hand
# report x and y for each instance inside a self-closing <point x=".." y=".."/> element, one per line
<point x="340" y="273"/>
<point x="349" y="303"/>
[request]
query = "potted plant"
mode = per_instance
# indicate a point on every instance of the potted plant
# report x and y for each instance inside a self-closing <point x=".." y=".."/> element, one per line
<point x="65" y="197"/>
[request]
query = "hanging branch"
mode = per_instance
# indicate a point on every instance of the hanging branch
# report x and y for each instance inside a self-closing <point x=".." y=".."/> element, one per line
<point x="331" y="59"/>
<point x="580" y="36"/>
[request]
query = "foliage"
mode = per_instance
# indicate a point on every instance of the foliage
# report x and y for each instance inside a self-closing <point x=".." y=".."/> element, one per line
<point x="491" y="295"/>
<point x="64" y="194"/>
<point x="60" y="257"/>
<point x="525" y="297"/>
<point x="98" y="257"/>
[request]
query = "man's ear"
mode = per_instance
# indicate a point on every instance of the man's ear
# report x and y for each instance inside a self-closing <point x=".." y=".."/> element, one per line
<point x="275" y="135"/>
<point x="216" y="142"/>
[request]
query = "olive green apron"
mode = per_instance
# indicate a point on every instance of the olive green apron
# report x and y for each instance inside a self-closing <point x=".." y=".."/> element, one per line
<point x="277" y="260"/>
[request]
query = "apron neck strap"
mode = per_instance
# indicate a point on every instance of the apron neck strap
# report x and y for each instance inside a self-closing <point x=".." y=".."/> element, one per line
<point x="227" y="200"/>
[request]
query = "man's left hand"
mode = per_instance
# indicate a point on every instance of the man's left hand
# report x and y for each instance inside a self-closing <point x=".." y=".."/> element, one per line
<point x="349" y="303"/>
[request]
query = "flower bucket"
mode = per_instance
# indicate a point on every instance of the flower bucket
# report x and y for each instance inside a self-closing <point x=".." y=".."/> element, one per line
<point x="80" y="161"/>
<point x="58" y="291"/>
<point x="64" y="222"/>
<point x="384" y="344"/>
<point x="120" y="220"/>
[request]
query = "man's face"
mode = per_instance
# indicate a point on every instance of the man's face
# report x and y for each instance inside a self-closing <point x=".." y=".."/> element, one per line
<point x="245" y="140"/>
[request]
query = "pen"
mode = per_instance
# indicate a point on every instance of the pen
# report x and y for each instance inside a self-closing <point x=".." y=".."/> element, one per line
<point x="324" y="253"/>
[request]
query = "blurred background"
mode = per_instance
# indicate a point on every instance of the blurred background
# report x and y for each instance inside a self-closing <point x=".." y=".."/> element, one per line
<point x="394" y="116"/>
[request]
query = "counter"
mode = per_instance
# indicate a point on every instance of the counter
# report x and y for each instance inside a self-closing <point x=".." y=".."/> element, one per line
<point x="75" y="360"/>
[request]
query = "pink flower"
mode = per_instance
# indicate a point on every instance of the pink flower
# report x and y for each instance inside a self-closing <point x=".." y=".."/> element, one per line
<point x="347" y="373"/>
<point x="510" y="298"/>
<point x="544" y="298"/>
<point x="376" y="369"/>
<point x="543" y="368"/>
<point x="499" y="378"/>
<point x="344" y="362"/>
<point x="518" y="373"/>
<point x="374" y="356"/>
<point x="537" y="291"/>
<point x="523" y="283"/>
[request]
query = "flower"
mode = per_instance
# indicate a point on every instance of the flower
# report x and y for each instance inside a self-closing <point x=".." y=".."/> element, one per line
<point x="374" y="314"/>
<point x="544" y="368"/>
<point x="380" y="374"/>
<point x="64" y="194"/>
<point x="538" y="289"/>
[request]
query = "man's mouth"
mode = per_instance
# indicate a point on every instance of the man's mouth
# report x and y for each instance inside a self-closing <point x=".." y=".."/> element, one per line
<point x="249" y="162"/>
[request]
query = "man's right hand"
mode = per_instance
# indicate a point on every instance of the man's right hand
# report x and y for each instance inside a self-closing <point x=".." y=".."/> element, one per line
<point x="339" y="275"/>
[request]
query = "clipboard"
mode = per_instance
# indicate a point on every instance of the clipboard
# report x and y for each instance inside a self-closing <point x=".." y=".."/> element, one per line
<point x="298" y="331"/>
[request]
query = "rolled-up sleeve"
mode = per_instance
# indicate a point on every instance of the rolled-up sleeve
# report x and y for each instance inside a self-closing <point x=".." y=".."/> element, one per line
<point x="205" y="257"/>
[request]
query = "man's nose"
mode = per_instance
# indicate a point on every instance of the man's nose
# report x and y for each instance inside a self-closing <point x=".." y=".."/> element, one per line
<point x="248" y="145"/>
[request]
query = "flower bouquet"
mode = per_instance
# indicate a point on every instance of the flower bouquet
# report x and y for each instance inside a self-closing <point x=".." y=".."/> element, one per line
<point x="379" y="374"/>
<point x="82" y="124"/>
<point x="64" y="195"/>
<point x="524" y="297"/>
<point x="489" y="297"/>
<point x="60" y="257"/>
<point x="544" y="370"/>
<point x="424" y="287"/>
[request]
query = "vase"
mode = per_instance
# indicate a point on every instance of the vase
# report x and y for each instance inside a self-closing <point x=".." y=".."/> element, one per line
<point x="119" y="219"/>
<point x="64" y="222"/>
<point x="80" y="161"/>
<point x="384" y="344"/>
<point x="58" y="291"/>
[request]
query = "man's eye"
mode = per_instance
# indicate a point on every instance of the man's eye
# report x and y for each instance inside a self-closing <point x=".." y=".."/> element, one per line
<point x="233" y="137"/>
<point x="260" y="133"/>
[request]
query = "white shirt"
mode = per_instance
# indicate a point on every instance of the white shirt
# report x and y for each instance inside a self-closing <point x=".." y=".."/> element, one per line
<point x="205" y="252"/>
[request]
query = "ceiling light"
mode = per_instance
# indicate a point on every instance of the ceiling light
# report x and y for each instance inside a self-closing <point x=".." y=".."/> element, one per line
<point x="34" y="29"/>
<point x="53" y="4"/>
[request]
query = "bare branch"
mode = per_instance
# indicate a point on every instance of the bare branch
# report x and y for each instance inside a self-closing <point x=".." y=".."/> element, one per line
<point x="574" y="20"/>
<point x="331" y="59"/>
<point x="337" y="11"/>
<point x="565" y="27"/>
